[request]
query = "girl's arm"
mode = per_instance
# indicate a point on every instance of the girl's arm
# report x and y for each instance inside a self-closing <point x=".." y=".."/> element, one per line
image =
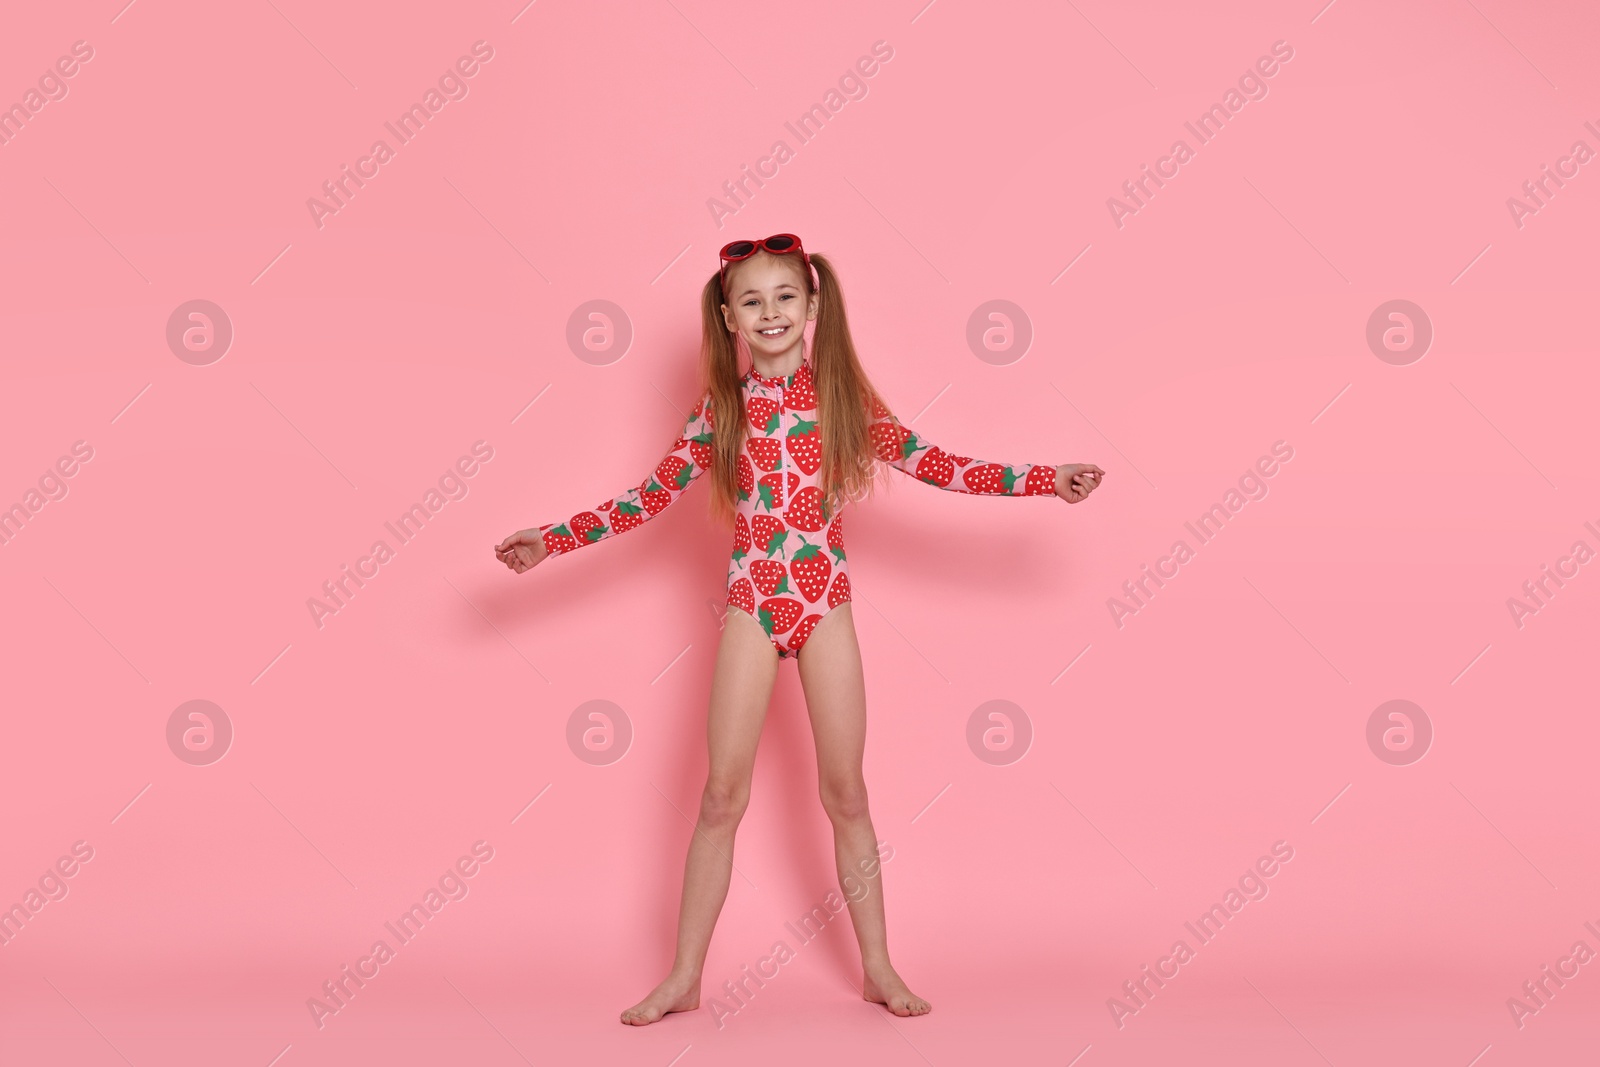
<point x="900" y="446"/>
<point x="688" y="458"/>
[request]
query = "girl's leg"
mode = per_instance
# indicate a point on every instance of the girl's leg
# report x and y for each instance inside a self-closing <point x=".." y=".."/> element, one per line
<point x="836" y="697"/>
<point x="747" y="665"/>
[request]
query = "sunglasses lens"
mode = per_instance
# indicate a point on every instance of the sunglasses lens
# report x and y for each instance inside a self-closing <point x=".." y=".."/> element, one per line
<point x="780" y="244"/>
<point x="739" y="248"/>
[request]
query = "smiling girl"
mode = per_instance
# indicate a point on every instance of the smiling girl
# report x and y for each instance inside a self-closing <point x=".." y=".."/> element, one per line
<point x="786" y="443"/>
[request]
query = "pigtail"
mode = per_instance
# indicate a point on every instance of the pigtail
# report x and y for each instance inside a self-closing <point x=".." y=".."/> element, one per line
<point x="846" y="398"/>
<point x="719" y="369"/>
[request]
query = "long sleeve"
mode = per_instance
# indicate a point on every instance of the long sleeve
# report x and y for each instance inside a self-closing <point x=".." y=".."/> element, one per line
<point x="687" y="459"/>
<point x="899" y="446"/>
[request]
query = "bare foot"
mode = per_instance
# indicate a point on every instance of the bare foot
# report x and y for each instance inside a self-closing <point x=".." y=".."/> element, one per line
<point x="673" y="994"/>
<point x="882" y="985"/>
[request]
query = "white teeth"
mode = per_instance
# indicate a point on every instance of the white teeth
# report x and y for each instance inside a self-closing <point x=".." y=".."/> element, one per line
<point x="775" y="331"/>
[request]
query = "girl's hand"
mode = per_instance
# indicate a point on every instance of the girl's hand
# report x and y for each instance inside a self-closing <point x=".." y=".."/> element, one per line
<point x="1075" y="481"/>
<point x="522" y="551"/>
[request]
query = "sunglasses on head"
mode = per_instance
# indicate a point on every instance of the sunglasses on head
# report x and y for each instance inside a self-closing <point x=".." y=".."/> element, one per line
<point x="778" y="244"/>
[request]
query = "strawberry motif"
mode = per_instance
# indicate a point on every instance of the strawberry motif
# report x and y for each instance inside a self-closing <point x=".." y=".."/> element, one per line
<point x="805" y="510"/>
<point x="836" y="539"/>
<point x="1041" y="481"/>
<point x="655" y="496"/>
<point x="802" y="395"/>
<point x="779" y="614"/>
<point x="741" y="537"/>
<point x="746" y="475"/>
<point x="936" y="467"/>
<point x="989" y="478"/>
<point x="840" y="591"/>
<point x="588" y="527"/>
<point x="742" y="594"/>
<point x="700" y="450"/>
<point x="559" y="539"/>
<point x="805" y="446"/>
<point x="625" y="516"/>
<point x="803" y="631"/>
<point x="770" y="488"/>
<point x="770" y="577"/>
<point x="674" y="471"/>
<point x="763" y="415"/>
<point x="811" y="570"/>
<point x="770" y="534"/>
<point x="891" y="441"/>
<point x="766" y="451"/>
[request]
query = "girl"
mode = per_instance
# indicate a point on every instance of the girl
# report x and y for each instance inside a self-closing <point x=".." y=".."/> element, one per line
<point x="786" y="444"/>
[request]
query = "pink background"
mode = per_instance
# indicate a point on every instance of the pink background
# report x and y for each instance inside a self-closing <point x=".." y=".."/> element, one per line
<point x="431" y="311"/>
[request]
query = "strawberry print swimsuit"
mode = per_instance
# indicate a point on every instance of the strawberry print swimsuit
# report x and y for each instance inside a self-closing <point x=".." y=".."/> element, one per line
<point x="788" y="568"/>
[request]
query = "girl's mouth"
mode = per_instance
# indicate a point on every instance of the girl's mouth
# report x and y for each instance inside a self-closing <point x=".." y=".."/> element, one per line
<point x="775" y="331"/>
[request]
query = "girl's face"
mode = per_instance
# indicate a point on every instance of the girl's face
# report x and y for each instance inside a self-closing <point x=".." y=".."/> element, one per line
<point x="768" y="304"/>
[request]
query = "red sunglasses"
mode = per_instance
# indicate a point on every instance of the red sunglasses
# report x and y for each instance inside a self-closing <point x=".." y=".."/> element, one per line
<point x="778" y="244"/>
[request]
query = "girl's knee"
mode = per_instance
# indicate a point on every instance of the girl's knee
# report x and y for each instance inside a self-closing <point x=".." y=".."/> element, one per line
<point x="724" y="803"/>
<point x="845" y="800"/>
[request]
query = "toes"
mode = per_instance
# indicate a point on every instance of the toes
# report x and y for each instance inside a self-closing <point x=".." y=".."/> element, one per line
<point x="910" y="1005"/>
